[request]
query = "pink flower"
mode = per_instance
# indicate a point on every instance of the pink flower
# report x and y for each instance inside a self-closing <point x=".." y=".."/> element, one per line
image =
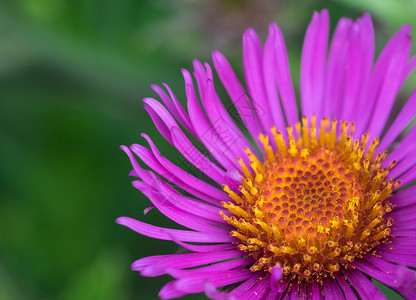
<point x="279" y="205"/>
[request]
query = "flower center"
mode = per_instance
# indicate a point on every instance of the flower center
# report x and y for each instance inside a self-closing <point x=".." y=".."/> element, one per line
<point x="314" y="204"/>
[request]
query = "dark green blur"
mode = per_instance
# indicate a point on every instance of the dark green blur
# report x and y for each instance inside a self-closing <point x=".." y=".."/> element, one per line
<point x="72" y="76"/>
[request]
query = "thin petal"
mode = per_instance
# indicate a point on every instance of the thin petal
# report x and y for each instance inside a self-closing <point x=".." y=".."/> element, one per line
<point x="205" y="131"/>
<point x="404" y="197"/>
<point x="388" y="90"/>
<point x="331" y="289"/>
<point x="252" y="61"/>
<point x="402" y="120"/>
<point x="237" y="94"/>
<point x="174" y="106"/>
<point x="282" y="74"/>
<point x="159" y="264"/>
<point x="195" y="284"/>
<point x="365" y="288"/>
<point x="167" y="234"/>
<point x="212" y="293"/>
<point x="346" y="289"/>
<point x="337" y="59"/>
<point x="246" y="285"/>
<point x="169" y="207"/>
<point x="385" y="82"/>
<point x="398" y="277"/>
<point x="193" y="186"/>
<point x="214" y="194"/>
<point x="258" y="291"/>
<point x="233" y="139"/>
<point x="269" y="70"/>
<point x="313" y="64"/>
<point x="195" y="157"/>
<point x="169" y="291"/>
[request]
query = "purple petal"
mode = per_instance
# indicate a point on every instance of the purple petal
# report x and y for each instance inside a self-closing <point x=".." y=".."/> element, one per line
<point x="147" y="209"/>
<point x="403" y="231"/>
<point x="403" y="216"/>
<point x="195" y="284"/>
<point x="246" y="285"/>
<point x="337" y="59"/>
<point x="252" y="61"/>
<point x="163" y="192"/>
<point x="222" y="266"/>
<point x="204" y="129"/>
<point x="169" y="291"/>
<point x="203" y="187"/>
<point x="138" y="171"/>
<point x="258" y="291"/>
<point x="403" y="155"/>
<point x="232" y="138"/>
<point x="160" y="125"/>
<point x="398" y="277"/>
<point x="404" y="197"/>
<point x="403" y="255"/>
<point x="195" y="157"/>
<point x="358" y="66"/>
<point x="159" y="264"/>
<point x="350" y="65"/>
<point x="204" y="248"/>
<point x="237" y="94"/>
<point x="212" y="293"/>
<point x="384" y="84"/>
<point x="402" y="120"/>
<point x="331" y="289"/>
<point x="275" y="277"/>
<point x="346" y="289"/>
<point x="365" y="288"/>
<point x="193" y="185"/>
<point x="161" y="111"/>
<point x="269" y="70"/>
<point x="303" y="291"/>
<point x="293" y="293"/>
<point x="167" y="195"/>
<point x="233" y="179"/>
<point x="272" y="295"/>
<point x="393" y="71"/>
<point x="313" y="64"/>
<point x="409" y="176"/>
<point x="168" y="206"/>
<point x="167" y="234"/>
<point x="174" y="106"/>
<point x="316" y="291"/>
<point x="282" y="74"/>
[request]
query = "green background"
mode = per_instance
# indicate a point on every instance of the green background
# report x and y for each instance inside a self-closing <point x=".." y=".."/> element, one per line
<point x="72" y="76"/>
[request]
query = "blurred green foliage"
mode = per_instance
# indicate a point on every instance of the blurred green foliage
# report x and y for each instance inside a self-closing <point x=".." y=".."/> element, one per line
<point x="72" y="74"/>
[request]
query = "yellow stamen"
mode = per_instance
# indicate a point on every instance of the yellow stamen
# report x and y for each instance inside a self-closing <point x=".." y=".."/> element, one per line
<point x="315" y="204"/>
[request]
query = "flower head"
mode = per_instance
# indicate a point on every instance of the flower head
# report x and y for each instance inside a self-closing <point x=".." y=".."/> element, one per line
<point x="284" y="205"/>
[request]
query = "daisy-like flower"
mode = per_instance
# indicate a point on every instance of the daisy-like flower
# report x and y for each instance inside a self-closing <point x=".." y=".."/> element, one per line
<point x="283" y="206"/>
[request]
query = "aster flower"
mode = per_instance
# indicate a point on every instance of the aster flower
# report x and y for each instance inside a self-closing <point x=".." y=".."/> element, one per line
<point x="283" y="206"/>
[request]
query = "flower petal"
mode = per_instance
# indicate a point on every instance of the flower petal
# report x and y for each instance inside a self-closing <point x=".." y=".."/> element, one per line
<point x="252" y="61"/>
<point x="365" y="288"/>
<point x="402" y="120"/>
<point x="313" y="64"/>
<point x="331" y="289"/>
<point x="398" y="277"/>
<point x="195" y="284"/>
<point x="167" y="234"/>
<point x="238" y="95"/>
<point x="159" y="264"/>
<point x="346" y="289"/>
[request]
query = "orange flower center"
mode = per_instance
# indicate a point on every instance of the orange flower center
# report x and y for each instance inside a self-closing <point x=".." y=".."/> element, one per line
<point x="314" y="204"/>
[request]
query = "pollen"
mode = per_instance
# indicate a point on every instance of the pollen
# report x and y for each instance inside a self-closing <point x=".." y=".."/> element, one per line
<point x="317" y="200"/>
